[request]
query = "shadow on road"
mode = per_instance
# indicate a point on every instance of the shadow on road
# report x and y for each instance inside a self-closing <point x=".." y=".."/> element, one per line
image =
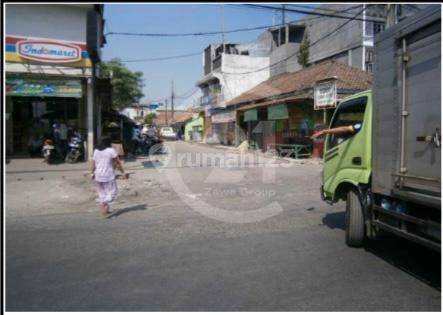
<point x="418" y="261"/>
<point x="152" y="164"/>
<point x="119" y="212"/>
<point x="335" y="220"/>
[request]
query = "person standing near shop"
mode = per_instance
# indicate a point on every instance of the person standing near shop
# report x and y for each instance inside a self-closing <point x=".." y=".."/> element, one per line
<point x="56" y="137"/>
<point x="136" y="139"/>
<point x="104" y="162"/>
<point x="63" y="138"/>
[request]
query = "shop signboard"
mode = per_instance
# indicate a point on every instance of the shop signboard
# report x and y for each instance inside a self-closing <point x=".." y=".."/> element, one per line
<point x="251" y="115"/>
<point x="48" y="51"/>
<point x="221" y="118"/>
<point x="42" y="88"/>
<point x="325" y="95"/>
<point x="153" y="106"/>
<point x="279" y="111"/>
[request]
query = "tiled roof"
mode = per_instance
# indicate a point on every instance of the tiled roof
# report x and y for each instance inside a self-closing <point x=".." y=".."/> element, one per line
<point x="347" y="78"/>
<point x="179" y="116"/>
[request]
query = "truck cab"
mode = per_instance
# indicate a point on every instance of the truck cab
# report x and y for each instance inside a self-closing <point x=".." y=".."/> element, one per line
<point x="347" y="158"/>
<point x="386" y="161"/>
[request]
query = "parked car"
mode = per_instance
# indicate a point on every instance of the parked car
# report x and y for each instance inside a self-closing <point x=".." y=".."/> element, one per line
<point x="168" y="133"/>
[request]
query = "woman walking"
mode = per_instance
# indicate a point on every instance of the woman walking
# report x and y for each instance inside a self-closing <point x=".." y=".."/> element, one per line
<point x="104" y="162"/>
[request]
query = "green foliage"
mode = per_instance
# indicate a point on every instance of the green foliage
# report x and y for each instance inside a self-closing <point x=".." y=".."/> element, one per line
<point x="126" y="85"/>
<point x="149" y="118"/>
<point x="303" y="53"/>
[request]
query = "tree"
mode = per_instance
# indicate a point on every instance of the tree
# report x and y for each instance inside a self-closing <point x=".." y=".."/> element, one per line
<point x="303" y="52"/>
<point x="149" y="118"/>
<point x="126" y="85"/>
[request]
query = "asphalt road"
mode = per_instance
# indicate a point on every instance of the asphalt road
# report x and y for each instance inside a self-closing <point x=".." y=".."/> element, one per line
<point x="200" y="239"/>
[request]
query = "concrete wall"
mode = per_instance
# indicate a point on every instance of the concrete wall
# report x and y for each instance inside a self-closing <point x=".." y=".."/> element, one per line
<point x="235" y="84"/>
<point x="350" y="36"/>
<point x="357" y="56"/>
<point x="66" y="22"/>
<point x="282" y="52"/>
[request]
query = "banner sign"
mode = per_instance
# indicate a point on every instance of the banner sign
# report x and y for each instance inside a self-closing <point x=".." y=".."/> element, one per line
<point x="153" y="106"/>
<point x="325" y="95"/>
<point x="29" y="87"/>
<point x="221" y="118"/>
<point x="48" y="51"/>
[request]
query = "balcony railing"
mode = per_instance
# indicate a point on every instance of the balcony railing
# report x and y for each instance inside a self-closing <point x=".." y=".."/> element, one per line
<point x="213" y="100"/>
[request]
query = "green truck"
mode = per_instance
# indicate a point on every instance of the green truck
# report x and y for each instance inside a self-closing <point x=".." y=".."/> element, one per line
<point x="389" y="169"/>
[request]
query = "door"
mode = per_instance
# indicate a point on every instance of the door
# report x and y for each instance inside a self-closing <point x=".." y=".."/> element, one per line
<point x="347" y="154"/>
<point x="422" y="153"/>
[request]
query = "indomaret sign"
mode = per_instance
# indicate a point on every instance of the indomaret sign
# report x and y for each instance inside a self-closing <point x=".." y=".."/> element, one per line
<point x="48" y="51"/>
<point x="325" y="95"/>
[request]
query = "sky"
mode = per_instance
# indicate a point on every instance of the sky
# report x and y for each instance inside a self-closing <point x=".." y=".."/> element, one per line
<point x="177" y="18"/>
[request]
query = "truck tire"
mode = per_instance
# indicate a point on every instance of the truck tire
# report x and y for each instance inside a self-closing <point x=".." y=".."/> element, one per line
<point x="354" y="220"/>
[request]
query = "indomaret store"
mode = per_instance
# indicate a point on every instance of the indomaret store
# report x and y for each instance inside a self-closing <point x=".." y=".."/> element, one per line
<point x="47" y="81"/>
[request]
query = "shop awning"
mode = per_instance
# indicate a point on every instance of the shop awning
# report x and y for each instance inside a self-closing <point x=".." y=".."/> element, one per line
<point x="279" y="111"/>
<point x="251" y="115"/>
<point x="32" y="87"/>
<point x="224" y="117"/>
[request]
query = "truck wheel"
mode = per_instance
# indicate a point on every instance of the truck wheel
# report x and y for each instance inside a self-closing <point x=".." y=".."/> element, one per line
<point x="355" y="223"/>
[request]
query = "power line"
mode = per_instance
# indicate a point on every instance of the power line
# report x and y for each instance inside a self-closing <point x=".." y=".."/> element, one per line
<point x="312" y="44"/>
<point x="309" y="12"/>
<point x="188" y="93"/>
<point x="325" y="9"/>
<point x="189" y="34"/>
<point x="246" y="29"/>
<point x="163" y="58"/>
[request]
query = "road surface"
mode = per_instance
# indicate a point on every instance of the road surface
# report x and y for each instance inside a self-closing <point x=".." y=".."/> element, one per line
<point x="204" y="242"/>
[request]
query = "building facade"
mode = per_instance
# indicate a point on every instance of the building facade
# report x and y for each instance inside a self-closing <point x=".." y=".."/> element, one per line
<point x="352" y="43"/>
<point x="52" y="53"/>
<point x="223" y="65"/>
<point x="348" y="41"/>
<point x="287" y="109"/>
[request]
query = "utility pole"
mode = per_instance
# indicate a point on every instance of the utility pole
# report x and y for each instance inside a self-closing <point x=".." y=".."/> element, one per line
<point x="166" y="112"/>
<point x="223" y="26"/>
<point x="391" y="15"/>
<point x="283" y="14"/>
<point x="172" y="100"/>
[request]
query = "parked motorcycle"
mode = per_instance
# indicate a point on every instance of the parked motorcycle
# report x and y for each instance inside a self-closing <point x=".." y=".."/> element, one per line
<point x="48" y="151"/>
<point x="75" y="150"/>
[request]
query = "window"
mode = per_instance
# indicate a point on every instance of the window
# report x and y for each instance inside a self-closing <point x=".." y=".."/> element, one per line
<point x="347" y="114"/>
<point x="279" y="36"/>
<point x="373" y="28"/>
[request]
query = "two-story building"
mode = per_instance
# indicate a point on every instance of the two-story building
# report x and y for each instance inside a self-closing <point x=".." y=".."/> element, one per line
<point x="221" y="82"/>
<point x="52" y="53"/>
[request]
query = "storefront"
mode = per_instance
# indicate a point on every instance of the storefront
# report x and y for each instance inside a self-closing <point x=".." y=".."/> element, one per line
<point x="287" y="122"/>
<point x="52" y="73"/>
<point x="47" y="82"/>
<point x="34" y="105"/>
<point x="223" y="125"/>
<point x="194" y="129"/>
<point x="286" y="110"/>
